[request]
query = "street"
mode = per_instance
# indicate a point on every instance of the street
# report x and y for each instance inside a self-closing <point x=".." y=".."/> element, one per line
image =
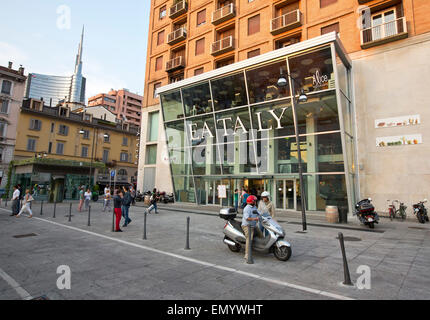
<point x="107" y="265"/>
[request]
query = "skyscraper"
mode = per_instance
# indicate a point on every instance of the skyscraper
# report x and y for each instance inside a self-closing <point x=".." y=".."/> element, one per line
<point x="53" y="89"/>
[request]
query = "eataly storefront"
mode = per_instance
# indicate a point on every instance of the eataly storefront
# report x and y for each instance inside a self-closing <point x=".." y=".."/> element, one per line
<point x="234" y="127"/>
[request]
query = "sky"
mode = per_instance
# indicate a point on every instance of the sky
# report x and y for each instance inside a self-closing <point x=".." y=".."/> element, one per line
<point x="43" y="36"/>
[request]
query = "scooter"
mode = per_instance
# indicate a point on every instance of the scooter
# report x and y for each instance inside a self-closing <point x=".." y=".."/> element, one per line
<point x="365" y="212"/>
<point x="273" y="241"/>
<point x="421" y="211"/>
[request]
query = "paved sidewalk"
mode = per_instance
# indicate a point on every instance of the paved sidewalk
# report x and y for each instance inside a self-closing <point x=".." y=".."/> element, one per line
<point x="398" y="256"/>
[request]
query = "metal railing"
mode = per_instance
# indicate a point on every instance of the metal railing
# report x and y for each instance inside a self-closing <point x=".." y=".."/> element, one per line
<point x="181" y="32"/>
<point x="175" y="63"/>
<point x="177" y="8"/>
<point x="223" y="44"/>
<point x="383" y="31"/>
<point x="290" y="18"/>
<point x="223" y="12"/>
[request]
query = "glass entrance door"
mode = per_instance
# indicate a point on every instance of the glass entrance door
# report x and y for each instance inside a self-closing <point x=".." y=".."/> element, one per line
<point x="286" y="194"/>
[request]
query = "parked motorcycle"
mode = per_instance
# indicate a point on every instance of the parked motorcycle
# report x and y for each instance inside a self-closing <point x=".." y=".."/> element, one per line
<point x="366" y="213"/>
<point x="273" y="240"/>
<point x="421" y="211"/>
<point x="166" y="198"/>
<point x="139" y="196"/>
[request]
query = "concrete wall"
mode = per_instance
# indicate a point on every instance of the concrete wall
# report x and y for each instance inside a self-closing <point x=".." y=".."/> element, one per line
<point x="392" y="81"/>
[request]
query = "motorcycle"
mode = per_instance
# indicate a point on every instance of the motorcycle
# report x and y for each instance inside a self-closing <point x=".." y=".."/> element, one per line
<point x="139" y="196"/>
<point x="366" y="213"/>
<point x="272" y="242"/>
<point x="421" y="211"/>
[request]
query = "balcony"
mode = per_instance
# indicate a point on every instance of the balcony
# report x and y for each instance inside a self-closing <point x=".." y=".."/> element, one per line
<point x="222" y="46"/>
<point x="223" y="14"/>
<point x="175" y="64"/>
<point x="286" y="22"/>
<point x="177" y="36"/>
<point x="178" y="9"/>
<point x="384" y="33"/>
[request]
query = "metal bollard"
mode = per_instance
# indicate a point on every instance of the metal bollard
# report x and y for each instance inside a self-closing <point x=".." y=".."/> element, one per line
<point x="249" y="260"/>
<point x="70" y="213"/>
<point x="55" y="208"/>
<point x="41" y="208"/>
<point x="187" y="244"/>
<point x="347" y="281"/>
<point x="113" y="220"/>
<point x="89" y="216"/>
<point x="144" y="224"/>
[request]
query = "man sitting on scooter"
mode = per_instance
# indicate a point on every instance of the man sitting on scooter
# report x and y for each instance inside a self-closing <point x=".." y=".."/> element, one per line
<point x="250" y="219"/>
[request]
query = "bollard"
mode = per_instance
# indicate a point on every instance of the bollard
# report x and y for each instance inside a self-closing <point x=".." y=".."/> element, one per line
<point x="70" y="213"/>
<point x="347" y="281"/>
<point x="41" y="208"/>
<point x="113" y="220"/>
<point x="249" y="260"/>
<point x="187" y="244"/>
<point x="55" y="208"/>
<point x="89" y="216"/>
<point x="144" y="224"/>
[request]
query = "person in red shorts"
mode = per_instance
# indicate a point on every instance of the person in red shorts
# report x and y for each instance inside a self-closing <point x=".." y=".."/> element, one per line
<point x="117" y="203"/>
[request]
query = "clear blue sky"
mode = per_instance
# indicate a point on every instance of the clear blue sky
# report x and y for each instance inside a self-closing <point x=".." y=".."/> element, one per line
<point x="116" y="36"/>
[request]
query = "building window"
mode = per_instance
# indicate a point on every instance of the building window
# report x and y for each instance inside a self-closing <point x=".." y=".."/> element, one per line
<point x="224" y="62"/>
<point x="201" y="17"/>
<point x="200" y="46"/>
<point x="3" y="128"/>
<point x="4" y="106"/>
<point x="176" y="77"/>
<point x="151" y="154"/>
<point x="86" y="134"/>
<point x="35" y="124"/>
<point x="163" y="12"/>
<point x="106" y="137"/>
<point x="153" y="123"/>
<point x="199" y="71"/>
<point x="60" y="148"/>
<point x="159" y="63"/>
<point x="63" y="112"/>
<point x="125" y="141"/>
<point x="330" y="28"/>
<point x="156" y="86"/>
<point x="122" y="172"/>
<point x="63" y="130"/>
<point x="160" y="38"/>
<point x="50" y="147"/>
<point x="124" y="157"/>
<point x="31" y="144"/>
<point x="84" y="152"/>
<point x="6" y="87"/>
<point x="325" y="3"/>
<point x="105" y="156"/>
<point x="253" y="53"/>
<point x="52" y="127"/>
<point x="254" y="25"/>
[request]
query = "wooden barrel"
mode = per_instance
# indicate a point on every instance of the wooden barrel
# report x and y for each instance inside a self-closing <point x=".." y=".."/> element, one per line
<point x="332" y="214"/>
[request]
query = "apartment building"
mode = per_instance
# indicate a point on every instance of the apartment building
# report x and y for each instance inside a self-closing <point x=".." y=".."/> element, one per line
<point x="382" y="114"/>
<point x="123" y="103"/>
<point x="58" y="150"/>
<point x="12" y="84"/>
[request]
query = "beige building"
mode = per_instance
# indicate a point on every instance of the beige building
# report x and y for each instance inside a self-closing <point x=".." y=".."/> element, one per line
<point x="12" y="84"/>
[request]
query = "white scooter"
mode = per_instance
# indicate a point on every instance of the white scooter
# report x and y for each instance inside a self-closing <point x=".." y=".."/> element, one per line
<point x="273" y="240"/>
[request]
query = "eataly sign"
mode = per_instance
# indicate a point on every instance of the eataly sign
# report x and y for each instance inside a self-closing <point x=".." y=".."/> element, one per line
<point x="205" y="130"/>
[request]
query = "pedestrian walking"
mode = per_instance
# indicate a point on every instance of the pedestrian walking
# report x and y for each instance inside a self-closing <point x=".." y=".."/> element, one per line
<point x="133" y="195"/>
<point x="81" y="198"/>
<point x="21" y="196"/>
<point x="87" y="199"/>
<point x="26" y="205"/>
<point x="126" y="206"/>
<point x="117" y="203"/>
<point x="15" y="201"/>
<point x="153" y="201"/>
<point x="107" y="200"/>
<point x="236" y="200"/>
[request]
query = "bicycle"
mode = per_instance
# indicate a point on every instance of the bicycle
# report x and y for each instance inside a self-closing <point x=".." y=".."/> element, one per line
<point x="394" y="212"/>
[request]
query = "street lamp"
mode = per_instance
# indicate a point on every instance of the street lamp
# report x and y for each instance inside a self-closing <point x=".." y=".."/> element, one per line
<point x="282" y="82"/>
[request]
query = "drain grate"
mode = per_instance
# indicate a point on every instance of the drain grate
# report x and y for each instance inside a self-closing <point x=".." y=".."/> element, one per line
<point x="25" y="235"/>
<point x="41" y="298"/>
<point x="349" y="239"/>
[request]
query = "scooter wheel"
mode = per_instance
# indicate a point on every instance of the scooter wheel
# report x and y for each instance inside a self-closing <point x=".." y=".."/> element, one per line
<point x="235" y="248"/>
<point x="372" y="225"/>
<point x="283" y="253"/>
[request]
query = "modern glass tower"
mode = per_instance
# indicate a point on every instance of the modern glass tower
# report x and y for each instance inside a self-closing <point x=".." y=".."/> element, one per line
<point x="53" y="89"/>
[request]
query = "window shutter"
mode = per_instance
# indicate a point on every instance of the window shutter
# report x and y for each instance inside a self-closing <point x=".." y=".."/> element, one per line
<point x="160" y="38"/>
<point x="330" y="28"/>
<point x="198" y="71"/>
<point x="201" y="17"/>
<point x="200" y="46"/>
<point x="324" y="3"/>
<point x="159" y="63"/>
<point x="254" y="25"/>
<point x="253" y="53"/>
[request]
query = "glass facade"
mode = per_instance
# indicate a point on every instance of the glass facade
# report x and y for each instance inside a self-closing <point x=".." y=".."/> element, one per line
<point x="238" y="131"/>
